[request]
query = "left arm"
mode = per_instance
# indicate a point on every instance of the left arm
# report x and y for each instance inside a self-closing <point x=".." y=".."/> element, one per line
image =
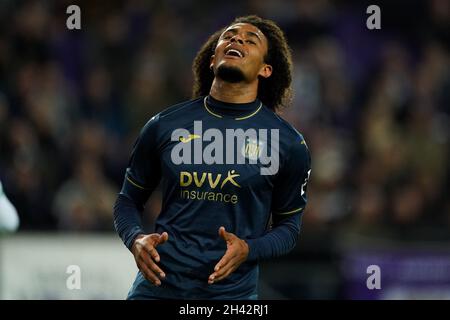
<point x="280" y="240"/>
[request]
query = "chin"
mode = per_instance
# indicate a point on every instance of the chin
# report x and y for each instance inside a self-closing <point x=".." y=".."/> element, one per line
<point x="230" y="73"/>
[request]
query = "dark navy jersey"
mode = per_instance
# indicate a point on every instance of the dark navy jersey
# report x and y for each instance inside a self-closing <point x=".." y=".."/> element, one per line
<point x="207" y="184"/>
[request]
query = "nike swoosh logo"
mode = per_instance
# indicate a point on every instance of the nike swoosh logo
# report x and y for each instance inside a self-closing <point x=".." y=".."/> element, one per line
<point x="189" y="138"/>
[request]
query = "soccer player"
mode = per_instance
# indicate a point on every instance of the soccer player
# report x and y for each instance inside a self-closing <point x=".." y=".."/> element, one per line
<point x="9" y="220"/>
<point x="219" y="216"/>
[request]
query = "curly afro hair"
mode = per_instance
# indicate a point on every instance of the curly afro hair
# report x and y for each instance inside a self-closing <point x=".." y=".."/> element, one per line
<point x="275" y="91"/>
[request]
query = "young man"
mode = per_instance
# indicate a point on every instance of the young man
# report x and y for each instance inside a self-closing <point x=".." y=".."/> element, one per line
<point x="214" y="225"/>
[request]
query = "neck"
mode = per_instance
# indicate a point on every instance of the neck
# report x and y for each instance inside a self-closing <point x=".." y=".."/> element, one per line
<point x="240" y="92"/>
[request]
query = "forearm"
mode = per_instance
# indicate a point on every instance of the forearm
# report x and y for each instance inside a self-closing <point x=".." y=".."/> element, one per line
<point x="127" y="220"/>
<point x="278" y="241"/>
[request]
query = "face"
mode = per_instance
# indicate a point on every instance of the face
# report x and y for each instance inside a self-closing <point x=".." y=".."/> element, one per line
<point x="239" y="54"/>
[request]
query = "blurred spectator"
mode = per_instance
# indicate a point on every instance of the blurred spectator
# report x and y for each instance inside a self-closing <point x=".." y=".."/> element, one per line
<point x="373" y="106"/>
<point x="84" y="201"/>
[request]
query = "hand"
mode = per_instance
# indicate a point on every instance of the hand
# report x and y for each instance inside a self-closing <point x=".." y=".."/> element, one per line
<point x="236" y="254"/>
<point x="145" y="254"/>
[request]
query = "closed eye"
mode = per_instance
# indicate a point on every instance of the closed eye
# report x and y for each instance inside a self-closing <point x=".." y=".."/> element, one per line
<point x="251" y="42"/>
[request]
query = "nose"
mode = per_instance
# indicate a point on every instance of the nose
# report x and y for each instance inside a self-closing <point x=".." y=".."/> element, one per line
<point x="237" y="38"/>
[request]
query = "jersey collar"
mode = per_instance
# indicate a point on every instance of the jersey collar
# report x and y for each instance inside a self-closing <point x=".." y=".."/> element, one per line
<point x="238" y="111"/>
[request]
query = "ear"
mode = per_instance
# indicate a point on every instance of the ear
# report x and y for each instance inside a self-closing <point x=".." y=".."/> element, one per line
<point x="266" y="71"/>
<point x="211" y="64"/>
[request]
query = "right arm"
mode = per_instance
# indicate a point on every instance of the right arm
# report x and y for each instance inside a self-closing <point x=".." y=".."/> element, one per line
<point x="141" y="178"/>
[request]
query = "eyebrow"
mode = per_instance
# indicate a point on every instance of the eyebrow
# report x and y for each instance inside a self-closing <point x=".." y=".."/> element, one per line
<point x="249" y="33"/>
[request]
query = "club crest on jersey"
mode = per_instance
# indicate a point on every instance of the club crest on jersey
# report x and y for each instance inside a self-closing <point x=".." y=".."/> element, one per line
<point x="252" y="148"/>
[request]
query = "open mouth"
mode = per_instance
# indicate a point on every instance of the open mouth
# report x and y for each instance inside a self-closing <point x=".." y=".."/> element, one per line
<point x="234" y="53"/>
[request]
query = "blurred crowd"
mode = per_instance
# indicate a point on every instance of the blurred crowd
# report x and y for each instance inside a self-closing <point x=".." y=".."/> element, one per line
<point x="373" y="105"/>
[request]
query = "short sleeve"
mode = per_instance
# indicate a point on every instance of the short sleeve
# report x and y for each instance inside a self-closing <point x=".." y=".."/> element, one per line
<point x="143" y="172"/>
<point x="289" y="195"/>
